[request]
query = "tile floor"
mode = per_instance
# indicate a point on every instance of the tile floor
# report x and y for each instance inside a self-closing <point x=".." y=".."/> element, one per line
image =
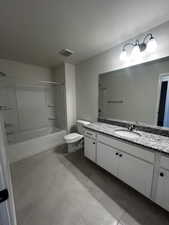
<point x="55" y="188"/>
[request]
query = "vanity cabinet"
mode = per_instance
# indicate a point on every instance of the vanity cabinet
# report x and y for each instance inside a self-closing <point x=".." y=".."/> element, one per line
<point x="145" y="170"/>
<point x="136" y="173"/>
<point x="133" y="171"/>
<point x="162" y="194"/>
<point x="107" y="158"/>
<point x="90" y="145"/>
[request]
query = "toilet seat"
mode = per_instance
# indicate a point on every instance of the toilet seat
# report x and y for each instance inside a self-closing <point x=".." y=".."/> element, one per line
<point x="73" y="137"/>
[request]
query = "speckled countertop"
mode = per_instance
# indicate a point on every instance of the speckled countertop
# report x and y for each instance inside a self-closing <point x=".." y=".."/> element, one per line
<point x="149" y="140"/>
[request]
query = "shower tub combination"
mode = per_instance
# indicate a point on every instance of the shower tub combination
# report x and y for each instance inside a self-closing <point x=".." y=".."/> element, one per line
<point x="28" y="143"/>
<point x="32" y="110"/>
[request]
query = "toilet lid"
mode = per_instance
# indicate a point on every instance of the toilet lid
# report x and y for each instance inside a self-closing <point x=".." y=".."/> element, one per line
<point x="83" y="122"/>
<point x="73" y="137"/>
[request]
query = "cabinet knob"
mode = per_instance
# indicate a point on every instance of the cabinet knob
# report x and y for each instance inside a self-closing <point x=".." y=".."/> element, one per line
<point x="120" y="155"/>
<point x="161" y="174"/>
<point x="117" y="153"/>
<point x="94" y="143"/>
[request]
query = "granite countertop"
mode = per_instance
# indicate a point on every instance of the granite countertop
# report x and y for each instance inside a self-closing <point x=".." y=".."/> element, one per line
<point x="148" y="140"/>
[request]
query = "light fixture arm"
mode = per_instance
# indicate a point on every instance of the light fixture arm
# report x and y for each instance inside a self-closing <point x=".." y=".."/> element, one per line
<point x="146" y="38"/>
<point x="128" y="44"/>
<point x="149" y="35"/>
<point x="140" y="45"/>
<point x="133" y="44"/>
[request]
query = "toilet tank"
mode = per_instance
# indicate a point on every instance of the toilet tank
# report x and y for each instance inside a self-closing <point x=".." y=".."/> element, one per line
<point x="80" y="124"/>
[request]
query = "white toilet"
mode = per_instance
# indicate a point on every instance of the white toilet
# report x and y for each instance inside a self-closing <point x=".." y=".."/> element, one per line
<point x="74" y="140"/>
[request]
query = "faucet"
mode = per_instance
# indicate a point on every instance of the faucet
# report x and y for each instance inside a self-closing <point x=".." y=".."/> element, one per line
<point x="131" y="127"/>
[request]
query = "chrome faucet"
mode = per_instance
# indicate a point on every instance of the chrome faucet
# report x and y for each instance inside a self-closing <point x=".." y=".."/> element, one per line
<point x="131" y="127"/>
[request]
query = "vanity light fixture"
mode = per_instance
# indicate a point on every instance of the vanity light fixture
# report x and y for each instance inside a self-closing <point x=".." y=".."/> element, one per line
<point x="149" y="44"/>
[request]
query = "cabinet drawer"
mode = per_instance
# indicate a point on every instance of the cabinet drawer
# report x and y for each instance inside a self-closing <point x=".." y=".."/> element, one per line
<point x="90" y="134"/>
<point x="164" y="162"/>
<point x="139" y="152"/>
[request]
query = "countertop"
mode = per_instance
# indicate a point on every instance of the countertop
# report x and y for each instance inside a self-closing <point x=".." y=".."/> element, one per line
<point x="148" y="140"/>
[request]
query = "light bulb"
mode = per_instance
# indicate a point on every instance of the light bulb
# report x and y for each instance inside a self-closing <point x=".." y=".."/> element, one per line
<point x="151" y="45"/>
<point x="123" y="55"/>
<point x="136" y="54"/>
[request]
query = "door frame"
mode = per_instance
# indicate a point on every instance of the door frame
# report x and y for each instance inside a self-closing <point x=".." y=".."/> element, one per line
<point x="161" y="78"/>
<point x="9" y="205"/>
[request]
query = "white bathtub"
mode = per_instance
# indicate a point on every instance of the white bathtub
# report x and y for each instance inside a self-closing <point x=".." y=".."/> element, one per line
<point x="39" y="141"/>
<point x="31" y="134"/>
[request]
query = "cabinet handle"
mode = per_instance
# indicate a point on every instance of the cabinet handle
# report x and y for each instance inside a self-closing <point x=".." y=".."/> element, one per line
<point x="161" y="174"/>
<point x="117" y="153"/>
<point x="120" y="155"/>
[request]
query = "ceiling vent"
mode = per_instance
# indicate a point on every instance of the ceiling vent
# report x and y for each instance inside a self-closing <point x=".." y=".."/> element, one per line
<point x="66" y="52"/>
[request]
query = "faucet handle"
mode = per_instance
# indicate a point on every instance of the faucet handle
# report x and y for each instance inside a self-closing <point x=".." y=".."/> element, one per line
<point x="131" y="127"/>
<point x="137" y="122"/>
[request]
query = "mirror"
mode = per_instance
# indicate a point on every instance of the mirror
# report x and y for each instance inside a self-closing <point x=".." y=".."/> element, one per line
<point x="138" y="93"/>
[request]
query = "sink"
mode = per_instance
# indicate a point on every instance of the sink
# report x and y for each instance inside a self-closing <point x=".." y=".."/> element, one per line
<point x="127" y="133"/>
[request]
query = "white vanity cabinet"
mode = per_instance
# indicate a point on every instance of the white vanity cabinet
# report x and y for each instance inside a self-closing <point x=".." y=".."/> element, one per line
<point x="145" y="170"/>
<point x="134" y="171"/>
<point x="162" y="194"/>
<point x="90" y="145"/>
<point x="107" y="158"/>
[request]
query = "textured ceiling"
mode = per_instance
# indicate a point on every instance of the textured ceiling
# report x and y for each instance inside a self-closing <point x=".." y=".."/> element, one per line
<point x="33" y="31"/>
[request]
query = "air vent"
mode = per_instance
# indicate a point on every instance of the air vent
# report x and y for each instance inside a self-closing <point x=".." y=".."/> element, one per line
<point x="66" y="52"/>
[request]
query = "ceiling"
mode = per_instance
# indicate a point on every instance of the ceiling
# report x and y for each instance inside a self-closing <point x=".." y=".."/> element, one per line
<point x="33" y="31"/>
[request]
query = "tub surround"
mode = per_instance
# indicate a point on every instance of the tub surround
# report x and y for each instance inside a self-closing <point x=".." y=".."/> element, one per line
<point x="149" y="140"/>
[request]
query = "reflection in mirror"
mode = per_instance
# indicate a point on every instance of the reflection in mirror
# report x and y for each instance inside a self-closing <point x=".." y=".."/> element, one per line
<point x="138" y="93"/>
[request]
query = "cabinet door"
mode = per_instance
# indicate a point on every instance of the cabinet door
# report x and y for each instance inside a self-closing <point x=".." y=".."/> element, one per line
<point x="107" y="158"/>
<point x="90" y="148"/>
<point x="162" y="196"/>
<point x="136" y="173"/>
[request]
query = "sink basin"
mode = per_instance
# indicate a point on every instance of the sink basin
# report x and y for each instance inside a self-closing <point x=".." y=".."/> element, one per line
<point x="127" y="133"/>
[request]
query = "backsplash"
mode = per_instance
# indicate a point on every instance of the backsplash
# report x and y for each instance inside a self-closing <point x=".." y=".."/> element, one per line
<point x="139" y="126"/>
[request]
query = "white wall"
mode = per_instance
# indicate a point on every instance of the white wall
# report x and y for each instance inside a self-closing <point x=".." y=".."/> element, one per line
<point x="59" y="76"/>
<point x="70" y="82"/>
<point x="87" y="72"/>
<point x="66" y="101"/>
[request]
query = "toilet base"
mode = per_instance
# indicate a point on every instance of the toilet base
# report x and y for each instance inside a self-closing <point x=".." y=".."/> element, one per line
<point x="73" y="147"/>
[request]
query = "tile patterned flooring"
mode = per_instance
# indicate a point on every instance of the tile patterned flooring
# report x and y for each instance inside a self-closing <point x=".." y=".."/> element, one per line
<point x="55" y="188"/>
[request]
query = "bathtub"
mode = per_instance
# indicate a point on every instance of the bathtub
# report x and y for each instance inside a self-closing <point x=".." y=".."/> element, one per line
<point x="26" y="144"/>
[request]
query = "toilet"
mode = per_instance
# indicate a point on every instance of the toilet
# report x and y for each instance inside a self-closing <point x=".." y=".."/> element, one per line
<point x="75" y="140"/>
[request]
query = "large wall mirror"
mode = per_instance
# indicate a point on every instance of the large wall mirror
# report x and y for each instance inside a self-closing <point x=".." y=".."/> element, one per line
<point x="138" y="93"/>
